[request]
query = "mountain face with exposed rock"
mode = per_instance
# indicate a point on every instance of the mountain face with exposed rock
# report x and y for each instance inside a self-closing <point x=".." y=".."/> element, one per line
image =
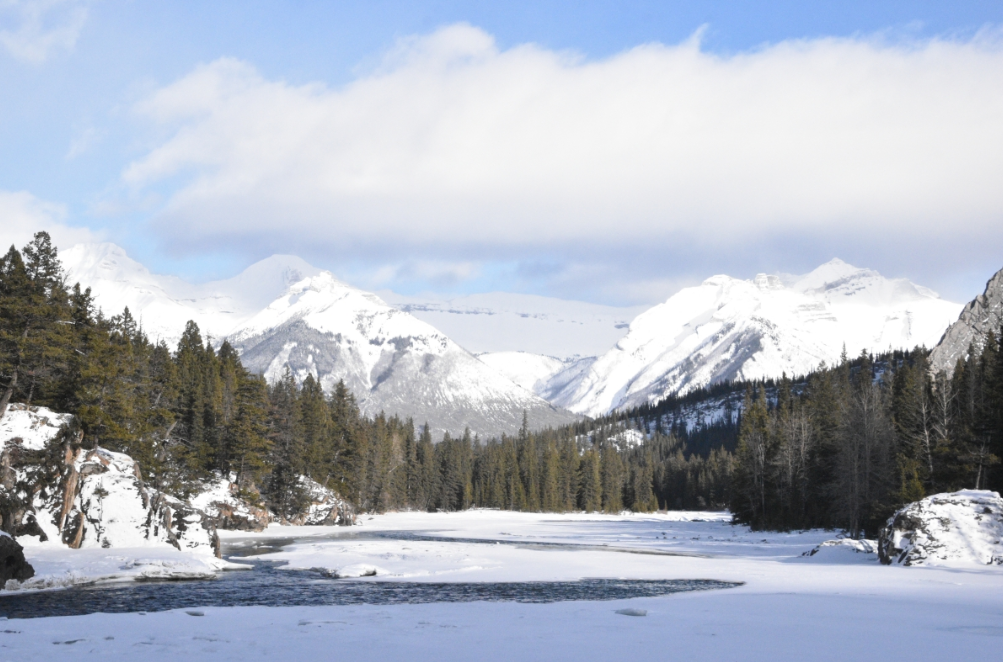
<point x="980" y="316"/>
<point x="390" y="360"/>
<point x="283" y="312"/>
<point x="727" y="328"/>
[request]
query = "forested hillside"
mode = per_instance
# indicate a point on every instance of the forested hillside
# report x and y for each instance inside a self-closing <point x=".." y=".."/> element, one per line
<point x="842" y="447"/>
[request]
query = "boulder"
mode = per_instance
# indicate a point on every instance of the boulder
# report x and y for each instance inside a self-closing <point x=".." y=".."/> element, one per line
<point x="12" y="563"/>
<point x="952" y="529"/>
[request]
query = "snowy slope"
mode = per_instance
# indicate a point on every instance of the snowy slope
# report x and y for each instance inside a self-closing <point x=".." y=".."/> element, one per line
<point x="530" y="371"/>
<point x="508" y="322"/>
<point x="164" y="303"/>
<point x="727" y="328"/>
<point x="390" y="360"/>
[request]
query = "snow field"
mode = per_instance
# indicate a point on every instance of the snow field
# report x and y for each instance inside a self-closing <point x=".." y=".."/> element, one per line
<point x="790" y="608"/>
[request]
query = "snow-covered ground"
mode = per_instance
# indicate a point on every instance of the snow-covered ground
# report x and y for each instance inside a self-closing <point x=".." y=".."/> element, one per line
<point x="838" y="604"/>
<point x="57" y="566"/>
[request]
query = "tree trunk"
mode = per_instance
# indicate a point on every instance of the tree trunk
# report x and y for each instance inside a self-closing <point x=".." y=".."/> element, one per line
<point x="8" y="392"/>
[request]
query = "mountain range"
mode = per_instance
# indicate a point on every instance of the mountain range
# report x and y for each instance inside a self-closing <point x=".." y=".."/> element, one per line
<point x="283" y="312"/>
<point x="727" y="328"/>
<point x="482" y="360"/>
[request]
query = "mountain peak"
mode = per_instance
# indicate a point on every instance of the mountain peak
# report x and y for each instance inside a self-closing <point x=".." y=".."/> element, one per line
<point x="833" y="271"/>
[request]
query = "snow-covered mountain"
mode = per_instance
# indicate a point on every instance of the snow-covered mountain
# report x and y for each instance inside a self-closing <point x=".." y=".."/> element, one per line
<point x="537" y="352"/>
<point x="728" y="328"/>
<point x="392" y="361"/>
<point x="164" y="303"/>
<point x="544" y="375"/>
<point x="282" y="311"/>
<point x="508" y="322"/>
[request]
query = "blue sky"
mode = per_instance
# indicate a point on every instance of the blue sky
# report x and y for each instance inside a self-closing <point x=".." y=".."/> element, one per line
<point x="102" y="127"/>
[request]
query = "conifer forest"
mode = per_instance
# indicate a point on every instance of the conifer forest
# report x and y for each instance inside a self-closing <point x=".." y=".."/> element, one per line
<point x="842" y="447"/>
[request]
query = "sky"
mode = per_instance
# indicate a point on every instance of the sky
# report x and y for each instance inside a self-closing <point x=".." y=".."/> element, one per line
<point x="611" y="152"/>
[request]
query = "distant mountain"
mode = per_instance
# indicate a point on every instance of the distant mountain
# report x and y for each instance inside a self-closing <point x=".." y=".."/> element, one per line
<point x="507" y="322"/>
<point x="728" y="328"/>
<point x="980" y="316"/>
<point x="392" y="361"/>
<point x="283" y="311"/>
<point x="164" y="303"/>
<point x="544" y="375"/>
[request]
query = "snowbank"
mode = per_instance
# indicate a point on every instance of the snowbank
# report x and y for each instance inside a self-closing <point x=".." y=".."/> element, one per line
<point x="954" y="529"/>
<point x="844" y="550"/>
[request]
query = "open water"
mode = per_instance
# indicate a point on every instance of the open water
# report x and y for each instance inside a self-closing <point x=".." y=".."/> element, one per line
<point x="266" y="584"/>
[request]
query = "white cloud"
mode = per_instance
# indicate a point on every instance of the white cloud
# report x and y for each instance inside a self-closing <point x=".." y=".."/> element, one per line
<point x="32" y="30"/>
<point x="455" y="148"/>
<point x="22" y="215"/>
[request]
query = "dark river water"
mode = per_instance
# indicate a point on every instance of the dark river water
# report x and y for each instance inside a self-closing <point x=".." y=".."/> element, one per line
<point x="269" y="585"/>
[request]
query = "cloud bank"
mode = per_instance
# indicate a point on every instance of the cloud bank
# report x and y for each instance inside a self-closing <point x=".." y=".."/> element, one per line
<point x="22" y="215"/>
<point x="32" y="30"/>
<point x="455" y="149"/>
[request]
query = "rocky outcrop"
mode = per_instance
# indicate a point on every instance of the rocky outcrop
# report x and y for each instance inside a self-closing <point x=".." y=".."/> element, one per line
<point x="980" y="316"/>
<point x="12" y="563"/>
<point x="236" y="509"/>
<point x="326" y="507"/>
<point x="957" y="528"/>
<point x="53" y="488"/>
<point x="843" y="549"/>
<point x="230" y="507"/>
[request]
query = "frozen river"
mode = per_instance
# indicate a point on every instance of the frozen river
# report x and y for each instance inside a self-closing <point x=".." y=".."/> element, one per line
<point x="500" y="586"/>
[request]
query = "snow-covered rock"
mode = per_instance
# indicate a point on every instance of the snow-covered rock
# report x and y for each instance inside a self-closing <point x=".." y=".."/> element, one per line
<point x="13" y="566"/>
<point x="325" y="506"/>
<point x="953" y="529"/>
<point x="844" y="550"/>
<point x="390" y="360"/>
<point x="221" y="499"/>
<point x="728" y="328"/>
<point x="54" y="490"/>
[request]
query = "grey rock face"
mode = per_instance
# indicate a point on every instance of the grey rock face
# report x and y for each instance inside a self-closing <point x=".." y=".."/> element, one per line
<point x="446" y="388"/>
<point x="980" y="316"/>
<point x="12" y="563"/>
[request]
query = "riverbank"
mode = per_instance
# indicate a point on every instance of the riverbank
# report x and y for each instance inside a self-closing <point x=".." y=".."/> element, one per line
<point x="835" y="605"/>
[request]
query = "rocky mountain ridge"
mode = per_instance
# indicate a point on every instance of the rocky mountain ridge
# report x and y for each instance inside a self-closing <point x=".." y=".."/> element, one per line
<point x="979" y="316"/>
<point x="392" y="361"/>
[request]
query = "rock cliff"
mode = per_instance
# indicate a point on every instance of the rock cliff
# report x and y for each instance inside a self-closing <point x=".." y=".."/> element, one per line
<point x="980" y="316"/>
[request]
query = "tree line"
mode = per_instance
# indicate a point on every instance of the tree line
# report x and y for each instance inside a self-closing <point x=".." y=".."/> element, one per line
<point x="193" y="412"/>
<point x="849" y="445"/>
<point x="841" y="447"/>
